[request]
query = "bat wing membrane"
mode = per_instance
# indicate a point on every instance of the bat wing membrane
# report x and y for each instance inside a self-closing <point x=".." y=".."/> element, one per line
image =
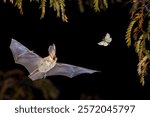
<point x="24" y="56"/>
<point x="68" y="70"/>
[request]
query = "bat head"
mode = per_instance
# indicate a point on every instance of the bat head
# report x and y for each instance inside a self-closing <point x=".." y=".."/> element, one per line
<point x="48" y="62"/>
<point x="52" y="51"/>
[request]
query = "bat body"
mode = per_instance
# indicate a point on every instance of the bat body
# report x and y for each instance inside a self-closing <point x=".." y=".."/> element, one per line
<point x="106" y="41"/>
<point x="39" y="67"/>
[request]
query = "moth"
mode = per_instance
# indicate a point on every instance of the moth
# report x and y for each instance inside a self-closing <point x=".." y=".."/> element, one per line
<point x="39" y="67"/>
<point x="106" y="40"/>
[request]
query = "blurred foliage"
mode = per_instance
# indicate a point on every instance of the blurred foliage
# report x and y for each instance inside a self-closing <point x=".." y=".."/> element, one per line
<point x="138" y="31"/>
<point x="15" y="85"/>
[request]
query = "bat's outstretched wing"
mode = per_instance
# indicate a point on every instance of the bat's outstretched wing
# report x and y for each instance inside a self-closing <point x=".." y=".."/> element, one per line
<point x="24" y="56"/>
<point x="68" y="70"/>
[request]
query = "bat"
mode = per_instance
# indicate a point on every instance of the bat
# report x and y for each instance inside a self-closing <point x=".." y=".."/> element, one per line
<point x="39" y="67"/>
<point x="106" y="41"/>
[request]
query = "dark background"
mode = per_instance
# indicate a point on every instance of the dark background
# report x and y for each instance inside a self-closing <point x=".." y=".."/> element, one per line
<point x="76" y="44"/>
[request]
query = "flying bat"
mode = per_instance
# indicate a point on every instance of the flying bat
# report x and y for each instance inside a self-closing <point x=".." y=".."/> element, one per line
<point x="106" y="40"/>
<point x="39" y="67"/>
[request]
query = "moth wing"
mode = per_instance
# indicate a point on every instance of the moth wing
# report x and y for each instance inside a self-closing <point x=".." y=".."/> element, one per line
<point x="103" y="43"/>
<point x="107" y="35"/>
<point x="108" y="38"/>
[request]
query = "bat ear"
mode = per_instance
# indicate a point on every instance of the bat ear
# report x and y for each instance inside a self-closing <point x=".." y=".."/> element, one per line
<point x="52" y="50"/>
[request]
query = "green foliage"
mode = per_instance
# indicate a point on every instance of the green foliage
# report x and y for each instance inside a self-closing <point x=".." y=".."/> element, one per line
<point x="140" y="12"/>
<point x="81" y="7"/>
<point x="128" y="33"/>
<point x="42" y="6"/>
<point x="59" y="6"/>
<point x="96" y="5"/>
<point x="18" y="3"/>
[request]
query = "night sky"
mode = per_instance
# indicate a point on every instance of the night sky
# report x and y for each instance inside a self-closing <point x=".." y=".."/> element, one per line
<point x="76" y="44"/>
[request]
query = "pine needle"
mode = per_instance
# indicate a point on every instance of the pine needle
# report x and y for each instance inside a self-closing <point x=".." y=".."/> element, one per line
<point x="128" y="33"/>
<point x="138" y="43"/>
<point x="81" y="7"/>
<point x="18" y="3"/>
<point x="51" y="2"/>
<point x="42" y="6"/>
<point x="105" y="3"/>
<point x="96" y="5"/>
<point x="62" y="8"/>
